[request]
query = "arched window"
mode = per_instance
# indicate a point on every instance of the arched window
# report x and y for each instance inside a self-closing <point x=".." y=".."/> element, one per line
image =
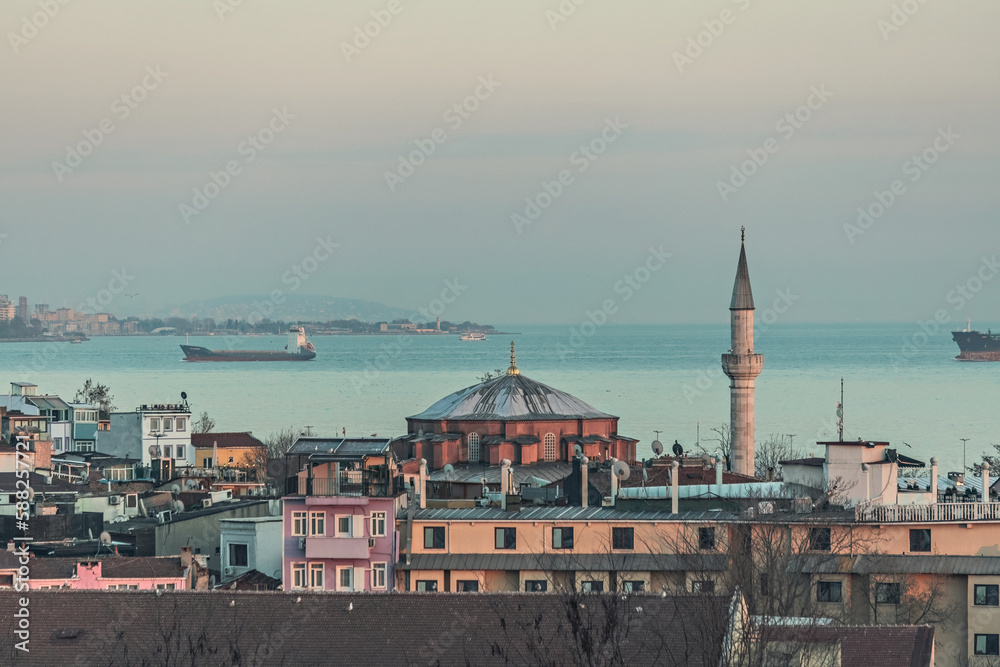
<point x="473" y="440"/>
<point x="550" y="447"/>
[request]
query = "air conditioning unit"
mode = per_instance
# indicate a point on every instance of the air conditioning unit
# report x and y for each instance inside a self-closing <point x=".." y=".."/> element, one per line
<point x="114" y="500"/>
<point x="371" y="542"/>
<point x="207" y="502"/>
<point x="229" y="570"/>
<point x="302" y="543"/>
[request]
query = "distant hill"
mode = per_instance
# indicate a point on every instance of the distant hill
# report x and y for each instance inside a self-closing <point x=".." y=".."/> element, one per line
<point x="293" y="307"/>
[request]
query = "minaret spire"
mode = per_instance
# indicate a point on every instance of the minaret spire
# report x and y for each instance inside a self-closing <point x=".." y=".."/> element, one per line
<point x="742" y="366"/>
<point x="513" y="361"/>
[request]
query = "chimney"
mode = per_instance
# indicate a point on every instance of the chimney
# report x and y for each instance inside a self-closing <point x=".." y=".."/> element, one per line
<point x="504" y="483"/>
<point x="584" y="482"/>
<point x="614" y="481"/>
<point x="423" y="483"/>
<point x="934" y="479"/>
<point x="868" y="487"/>
<point x="718" y="472"/>
<point x="675" y="487"/>
<point x="986" y="482"/>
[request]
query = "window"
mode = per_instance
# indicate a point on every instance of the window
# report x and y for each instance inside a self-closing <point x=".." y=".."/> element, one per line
<point x="592" y="586"/>
<point x="317" y="523"/>
<point x="168" y="451"/>
<point x="434" y="537"/>
<point x="378" y="524"/>
<point x="623" y="538"/>
<point x="829" y="591"/>
<point x="887" y="593"/>
<point x="58" y="444"/>
<point x="131" y="500"/>
<point x="535" y="585"/>
<point x="920" y="539"/>
<point x="987" y="595"/>
<point x="345" y="525"/>
<point x="706" y="586"/>
<point x="165" y="587"/>
<point x="634" y="586"/>
<point x="467" y="586"/>
<point x="562" y="538"/>
<point x="819" y="539"/>
<point x="473" y="440"/>
<point x="298" y="523"/>
<point x="425" y="586"/>
<point x="345" y="578"/>
<point x="207" y="462"/>
<point x="180" y="452"/>
<point x="180" y="424"/>
<point x="987" y="644"/>
<point x="154" y="424"/>
<point x="706" y="539"/>
<point x="298" y="575"/>
<point x="168" y="424"/>
<point x="238" y="555"/>
<point x="84" y="445"/>
<point x="378" y="575"/>
<point x="506" y="538"/>
<point x="549" y="451"/>
<point x="316" y="575"/>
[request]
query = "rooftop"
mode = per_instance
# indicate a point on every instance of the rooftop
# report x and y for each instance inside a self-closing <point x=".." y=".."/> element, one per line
<point x="346" y="448"/>
<point x="234" y="439"/>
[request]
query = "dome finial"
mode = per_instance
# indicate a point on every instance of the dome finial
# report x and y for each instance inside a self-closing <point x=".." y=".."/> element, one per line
<point x="513" y="361"/>
<point x="743" y="232"/>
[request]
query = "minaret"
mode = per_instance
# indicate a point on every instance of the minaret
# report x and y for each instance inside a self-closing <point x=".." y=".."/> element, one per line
<point x="742" y="366"/>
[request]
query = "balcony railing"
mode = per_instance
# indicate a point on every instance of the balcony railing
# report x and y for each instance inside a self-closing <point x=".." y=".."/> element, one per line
<point x="368" y="483"/>
<point x="872" y="513"/>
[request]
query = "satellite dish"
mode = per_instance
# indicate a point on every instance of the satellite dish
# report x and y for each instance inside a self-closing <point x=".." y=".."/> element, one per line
<point x="577" y="450"/>
<point x="448" y="468"/>
<point x="154" y="451"/>
<point x="621" y="470"/>
<point x="484" y="502"/>
<point x="178" y="506"/>
<point x="105" y="537"/>
<point x="184" y="395"/>
<point x="174" y="488"/>
<point x="657" y="447"/>
<point x="677" y="449"/>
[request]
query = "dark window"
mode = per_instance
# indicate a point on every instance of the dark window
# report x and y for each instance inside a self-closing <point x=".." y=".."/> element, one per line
<point x="887" y="593"/>
<point x="238" y="555"/>
<point x="920" y="539"/>
<point x="506" y="538"/>
<point x="535" y="585"/>
<point x="635" y="586"/>
<point x="987" y="595"/>
<point x="987" y="644"/>
<point x="829" y="591"/>
<point x="434" y="537"/>
<point x="765" y="585"/>
<point x="424" y="586"/>
<point x="468" y="586"/>
<point x="623" y="538"/>
<point x="593" y="586"/>
<point x="562" y="538"/>
<point x="706" y="586"/>
<point x="819" y="539"/>
<point x="706" y="539"/>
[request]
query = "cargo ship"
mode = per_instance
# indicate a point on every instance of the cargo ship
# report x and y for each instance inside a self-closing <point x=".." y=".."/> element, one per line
<point x="298" y="349"/>
<point x="976" y="345"/>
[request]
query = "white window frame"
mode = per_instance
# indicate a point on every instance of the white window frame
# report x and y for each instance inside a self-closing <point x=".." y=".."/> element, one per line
<point x="299" y="529"/>
<point x="180" y="424"/>
<point x="299" y="581"/>
<point x="473" y="440"/>
<point x="314" y="519"/>
<point x="378" y="524"/>
<point x="379" y="571"/>
<point x="340" y="574"/>
<point x="317" y="576"/>
<point x="550" y="451"/>
<point x="154" y="424"/>
<point x="168" y="424"/>
<point x="350" y="531"/>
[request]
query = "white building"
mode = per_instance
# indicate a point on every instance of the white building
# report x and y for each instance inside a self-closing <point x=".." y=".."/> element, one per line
<point x="152" y="434"/>
<point x="251" y="544"/>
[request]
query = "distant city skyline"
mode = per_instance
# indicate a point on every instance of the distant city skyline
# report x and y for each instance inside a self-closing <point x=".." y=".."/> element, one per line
<point x="541" y="160"/>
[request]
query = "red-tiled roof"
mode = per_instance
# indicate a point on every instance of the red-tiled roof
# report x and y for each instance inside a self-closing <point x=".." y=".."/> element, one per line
<point x="240" y="439"/>
<point x="119" y="567"/>
<point x="885" y="646"/>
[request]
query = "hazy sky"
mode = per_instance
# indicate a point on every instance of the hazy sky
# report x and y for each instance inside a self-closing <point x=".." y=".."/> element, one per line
<point x="677" y="118"/>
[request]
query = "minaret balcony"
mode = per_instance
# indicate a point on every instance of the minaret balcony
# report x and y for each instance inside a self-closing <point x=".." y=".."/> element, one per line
<point x="742" y="365"/>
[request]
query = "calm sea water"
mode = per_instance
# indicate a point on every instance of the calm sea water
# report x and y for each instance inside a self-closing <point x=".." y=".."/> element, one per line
<point x="901" y="386"/>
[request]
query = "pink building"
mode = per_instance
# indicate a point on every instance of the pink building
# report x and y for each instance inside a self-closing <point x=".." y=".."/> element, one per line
<point x="109" y="573"/>
<point x="339" y="515"/>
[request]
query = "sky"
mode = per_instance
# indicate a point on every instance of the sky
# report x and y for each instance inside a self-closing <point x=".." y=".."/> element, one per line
<point x="524" y="161"/>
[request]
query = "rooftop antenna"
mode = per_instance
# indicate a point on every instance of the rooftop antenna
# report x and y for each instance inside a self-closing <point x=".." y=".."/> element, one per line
<point x="697" y="434"/>
<point x="964" y="440"/>
<point x="840" y="412"/>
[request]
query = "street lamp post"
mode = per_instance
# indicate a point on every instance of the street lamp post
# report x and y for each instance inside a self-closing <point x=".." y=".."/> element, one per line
<point x="964" y="440"/>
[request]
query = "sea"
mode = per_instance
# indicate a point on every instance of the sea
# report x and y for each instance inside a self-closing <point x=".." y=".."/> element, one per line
<point x="901" y="382"/>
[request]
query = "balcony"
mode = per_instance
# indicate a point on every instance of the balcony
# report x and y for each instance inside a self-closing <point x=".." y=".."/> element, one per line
<point x="926" y="513"/>
<point x="368" y="483"/>
<point x="337" y="547"/>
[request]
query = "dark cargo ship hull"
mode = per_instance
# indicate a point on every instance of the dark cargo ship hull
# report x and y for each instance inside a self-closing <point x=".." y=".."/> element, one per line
<point x="194" y="353"/>
<point x="977" y="346"/>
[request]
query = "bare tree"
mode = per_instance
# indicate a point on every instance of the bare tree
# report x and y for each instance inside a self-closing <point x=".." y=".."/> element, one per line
<point x="204" y="424"/>
<point x="770" y="453"/>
